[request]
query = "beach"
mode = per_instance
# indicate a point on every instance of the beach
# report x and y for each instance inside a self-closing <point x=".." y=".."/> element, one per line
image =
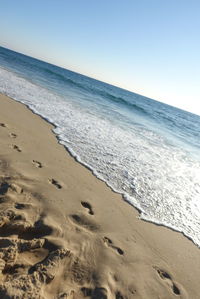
<point x="65" y="234"/>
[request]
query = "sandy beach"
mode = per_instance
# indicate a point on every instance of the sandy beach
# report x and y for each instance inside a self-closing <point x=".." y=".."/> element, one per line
<point x="65" y="234"/>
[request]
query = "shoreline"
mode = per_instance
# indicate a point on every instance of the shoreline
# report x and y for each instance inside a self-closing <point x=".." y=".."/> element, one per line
<point x="123" y="196"/>
<point x="107" y="252"/>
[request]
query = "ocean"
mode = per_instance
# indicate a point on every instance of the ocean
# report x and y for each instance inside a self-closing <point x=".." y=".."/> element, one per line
<point x="146" y="150"/>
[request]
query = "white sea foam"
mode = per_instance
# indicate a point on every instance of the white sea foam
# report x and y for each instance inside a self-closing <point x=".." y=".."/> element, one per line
<point x="154" y="176"/>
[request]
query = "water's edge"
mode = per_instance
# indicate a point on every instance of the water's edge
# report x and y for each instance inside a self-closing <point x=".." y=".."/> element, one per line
<point x="77" y="159"/>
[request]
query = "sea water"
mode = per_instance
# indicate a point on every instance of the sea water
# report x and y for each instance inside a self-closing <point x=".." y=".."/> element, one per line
<point x="145" y="150"/>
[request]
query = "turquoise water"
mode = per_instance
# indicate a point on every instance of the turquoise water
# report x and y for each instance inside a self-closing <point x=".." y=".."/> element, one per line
<point x="146" y="150"/>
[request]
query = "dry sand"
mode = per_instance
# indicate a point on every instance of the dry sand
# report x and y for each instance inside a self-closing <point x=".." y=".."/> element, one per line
<point x="65" y="234"/>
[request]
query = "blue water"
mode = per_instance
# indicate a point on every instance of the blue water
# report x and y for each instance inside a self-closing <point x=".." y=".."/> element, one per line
<point x="144" y="149"/>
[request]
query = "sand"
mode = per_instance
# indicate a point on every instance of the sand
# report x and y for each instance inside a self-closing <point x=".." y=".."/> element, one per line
<point x="65" y="234"/>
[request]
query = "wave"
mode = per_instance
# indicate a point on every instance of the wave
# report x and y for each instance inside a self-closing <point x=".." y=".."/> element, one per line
<point x="122" y="101"/>
<point x="98" y="92"/>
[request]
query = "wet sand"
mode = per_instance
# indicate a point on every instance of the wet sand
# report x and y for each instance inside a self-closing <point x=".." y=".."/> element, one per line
<point x="65" y="234"/>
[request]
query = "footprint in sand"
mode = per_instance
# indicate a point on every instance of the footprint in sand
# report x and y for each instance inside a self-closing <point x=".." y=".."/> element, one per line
<point x="15" y="147"/>
<point x="118" y="295"/>
<point x="22" y="206"/>
<point x="110" y="244"/>
<point x="55" y="183"/>
<point x="2" y="125"/>
<point x="84" y="222"/>
<point x="4" y="188"/>
<point x="13" y="135"/>
<point x="165" y="276"/>
<point x="37" y="164"/>
<point x="87" y="206"/>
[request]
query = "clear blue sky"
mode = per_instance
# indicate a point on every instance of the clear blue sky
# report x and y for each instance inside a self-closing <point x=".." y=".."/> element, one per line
<point x="151" y="47"/>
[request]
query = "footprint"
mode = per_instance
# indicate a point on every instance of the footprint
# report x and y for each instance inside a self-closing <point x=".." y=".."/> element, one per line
<point x="15" y="147"/>
<point x="87" y="206"/>
<point x="55" y="183"/>
<point x="21" y="206"/>
<point x="109" y="243"/>
<point x="165" y="276"/>
<point x="13" y="135"/>
<point x="2" y="125"/>
<point x="37" y="164"/>
<point x="84" y="222"/>
<point x="118" y="295"/>
<point x="4" y="188"/>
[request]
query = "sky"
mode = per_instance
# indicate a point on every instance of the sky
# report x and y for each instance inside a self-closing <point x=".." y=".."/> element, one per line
<point x="151" y="47"/>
